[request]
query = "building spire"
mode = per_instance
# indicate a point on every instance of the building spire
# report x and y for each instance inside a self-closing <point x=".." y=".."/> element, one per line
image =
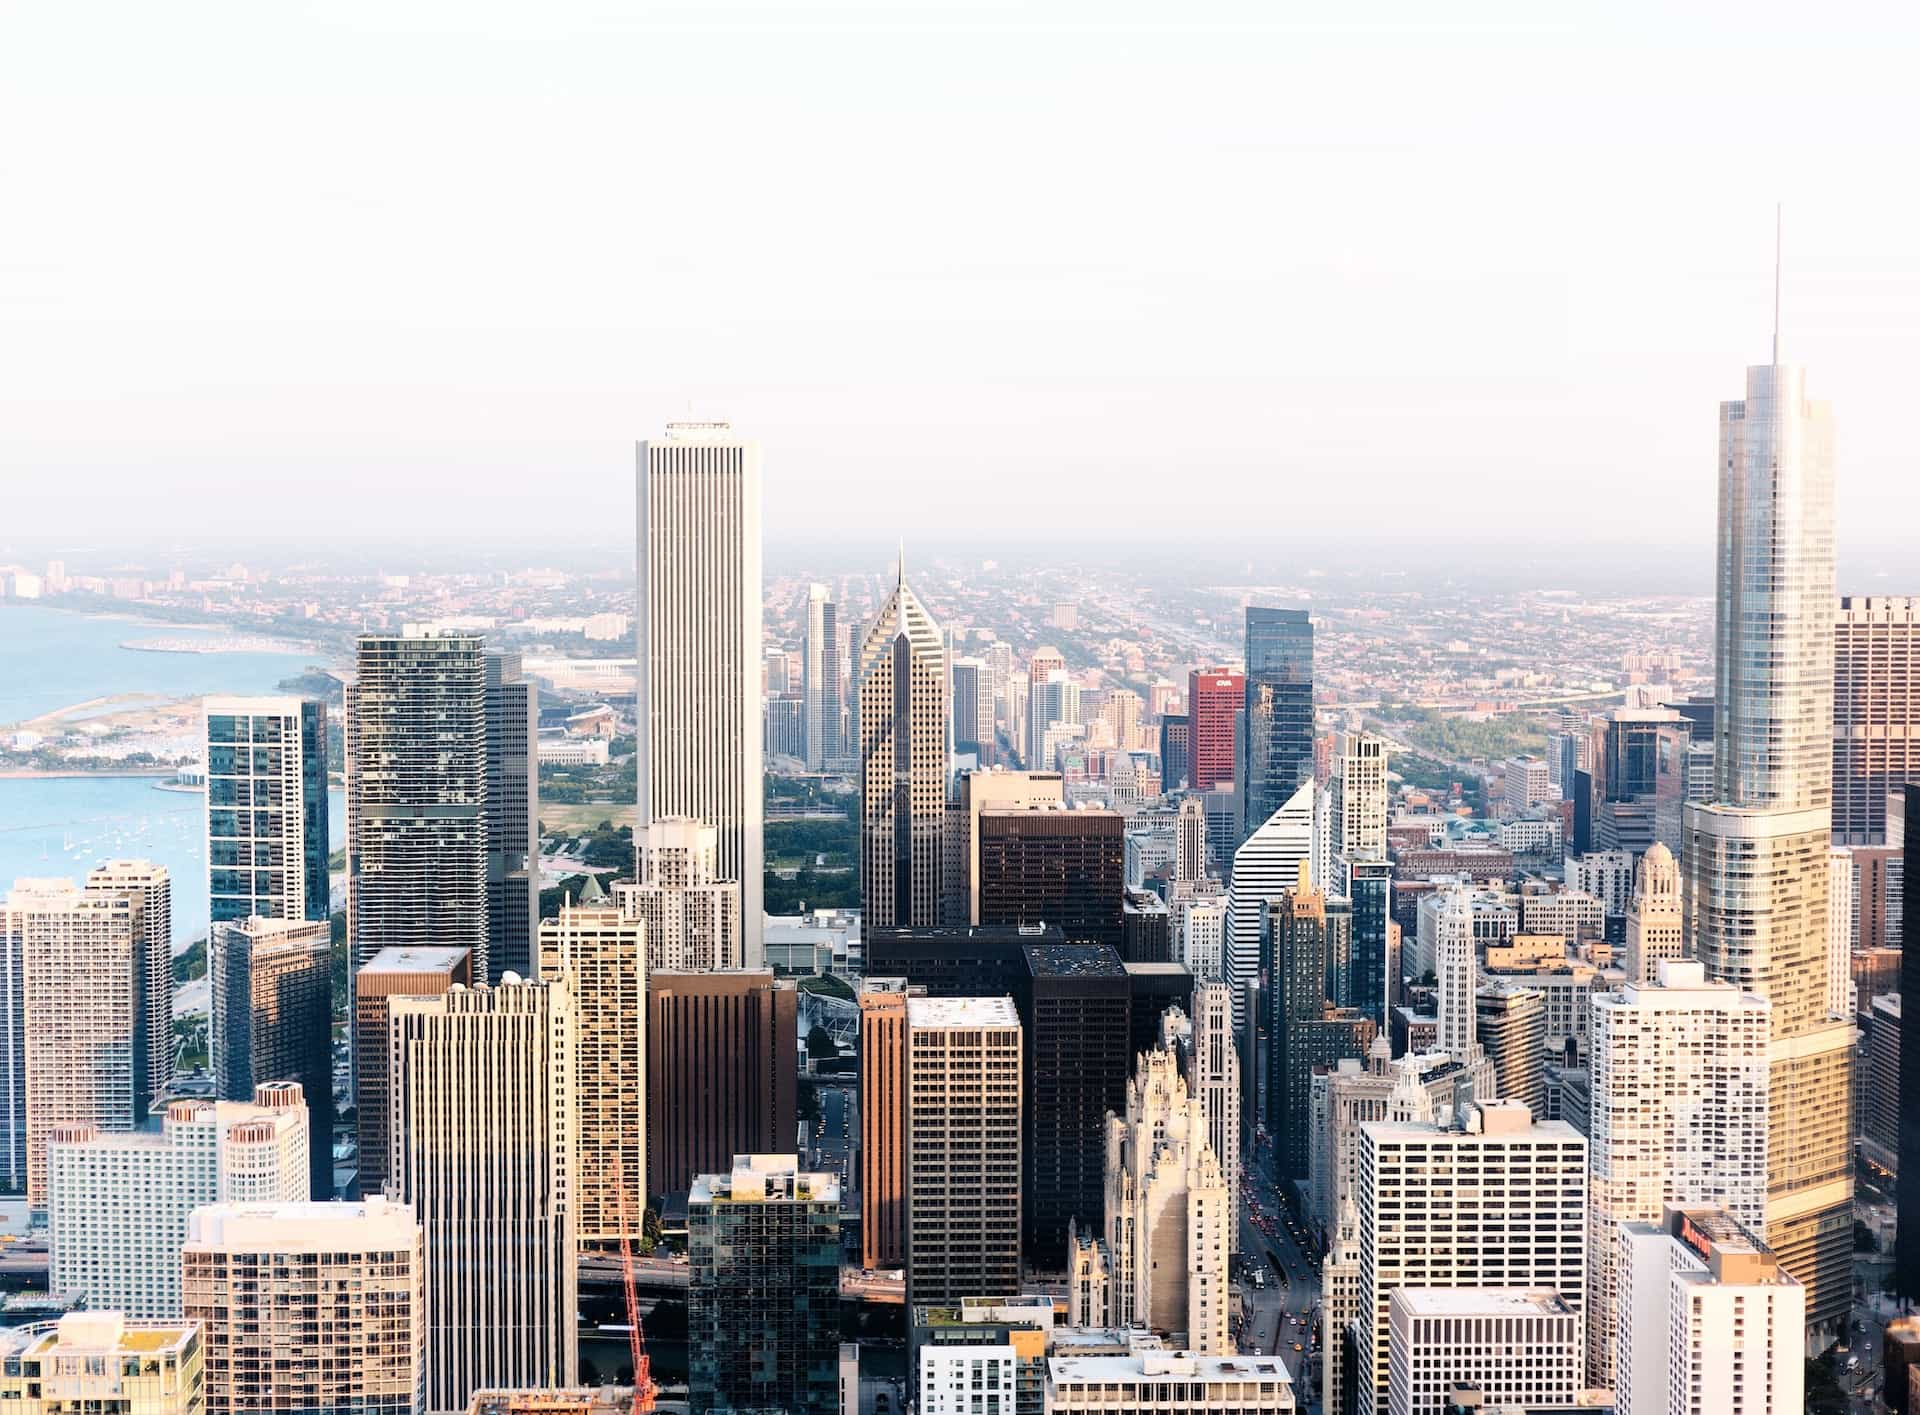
<point x="1777" y="223"/>
<point x="901" y="563"/>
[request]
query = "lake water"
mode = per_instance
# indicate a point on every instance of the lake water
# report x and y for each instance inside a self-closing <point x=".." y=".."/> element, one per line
<point x="64" y="826"/>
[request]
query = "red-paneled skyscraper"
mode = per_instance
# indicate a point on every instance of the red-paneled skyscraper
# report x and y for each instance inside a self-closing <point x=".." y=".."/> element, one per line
<point x="1214" y="698"/>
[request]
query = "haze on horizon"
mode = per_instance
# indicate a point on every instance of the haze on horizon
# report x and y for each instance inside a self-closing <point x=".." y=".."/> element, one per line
<point x="426" y="271"/>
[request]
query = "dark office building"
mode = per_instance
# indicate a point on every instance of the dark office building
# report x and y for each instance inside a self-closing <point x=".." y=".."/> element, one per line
<point x="763" y="1289"/>
<point x="1152" y="988"/>
<point x="1363" y="985"/>
<point x="1582" y="840"/>
<point x="722" y="1053"/>
<point x="1055" y="866"/>
<point x="513" y="808"/>
<point x="1279" y="709"/>
<point x="1146" y="928"/>
<point x="960" y="961"/>
<point x="1176" y="750"/>
<point x="1906" y="1259"/>
<point x="1076" y="1072"/>
<point x="1303" y="1029"/>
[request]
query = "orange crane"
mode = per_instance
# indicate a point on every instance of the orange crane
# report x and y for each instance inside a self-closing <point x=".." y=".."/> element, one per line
<point x="644" y="1389"/>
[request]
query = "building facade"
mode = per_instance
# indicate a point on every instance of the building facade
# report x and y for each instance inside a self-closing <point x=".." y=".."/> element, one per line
<point x="150" y="889"/>
<point x="266" y="787"/>
<point x="1051" y="865"/>
<point x="883" y="1114"/>
<point x="901" y="704"/>
<point x="821" y="678"/>
<point x="513" y="816"/>
<point x="691" y="916"/>
<point x="1517" y="1349"/>
<point x="419" y="972"/>
<point x="1876" y="712"/>
<point x="1215" y="699"/>
<point x="1279" y="708"/>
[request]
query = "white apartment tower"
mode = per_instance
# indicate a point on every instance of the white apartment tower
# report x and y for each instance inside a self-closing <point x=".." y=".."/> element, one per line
<point x="820" y="678"/>
<point x="1679" y="1078"/>
<point x="1456" y="965"/>
<point x="1266" y="866"/>
<point x="1710" y="1322"/>
<point x="308" y="1306"/>
<point x="1213" y="1075"/>
<point x="1167" y="1218"/>
<point x="901" y="702"/>
<point x="1656" y="925"/>
<point x="484" y="1130"/>
<point x="118" y="1204"/>
<point x="697" y="684"/>
<point x="691" y="916"/>
<point x="1756" y="856"/>
<point x="1492" y="1199"/>
<point x="1360" y="793"/>
<point x="1190" y="842"/>
<point x="150" y="886"/>
<point x="603" y="954"/>
<point x="964" y="1112"/>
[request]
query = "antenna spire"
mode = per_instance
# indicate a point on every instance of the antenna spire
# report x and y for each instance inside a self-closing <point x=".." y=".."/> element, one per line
<point x="1777" y="247"/>
<point x="902" y="562"/>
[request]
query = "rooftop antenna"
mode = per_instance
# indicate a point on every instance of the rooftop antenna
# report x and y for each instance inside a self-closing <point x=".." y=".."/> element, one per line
<point x="902" y="564"/>
<point x="1776" y="281"/>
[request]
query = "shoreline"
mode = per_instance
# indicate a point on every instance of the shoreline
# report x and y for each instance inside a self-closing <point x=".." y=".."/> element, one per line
<point x="136" y="773"/>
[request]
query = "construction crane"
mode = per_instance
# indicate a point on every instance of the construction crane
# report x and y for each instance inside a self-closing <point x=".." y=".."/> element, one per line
<point x="644" y="1389"/>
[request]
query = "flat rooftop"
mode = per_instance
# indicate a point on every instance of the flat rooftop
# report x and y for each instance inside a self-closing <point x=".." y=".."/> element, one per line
<point x="1162" y="1365"/>
<point x="1075" y="960"/>
<point x="413" y="960"/>
<point x="1480" y="1302"/>
<point x="961" y="1012"/>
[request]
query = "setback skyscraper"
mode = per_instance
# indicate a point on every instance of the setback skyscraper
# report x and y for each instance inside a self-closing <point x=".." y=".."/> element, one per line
<point x="266" y="808"/>
<point x="1876" y="713"/>
<point x="1756" y="857"/>
<point x="697" y="694"/>
<point x="901" y="704"/>
<point x="416" y="736"/>
<point x="820" y="678"/>
<point x="1279" y="708"/>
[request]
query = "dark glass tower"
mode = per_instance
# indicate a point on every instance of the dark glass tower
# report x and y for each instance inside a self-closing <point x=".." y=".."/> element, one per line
<point x="1303" y="1029"/>
<point x="1279" y="707"/>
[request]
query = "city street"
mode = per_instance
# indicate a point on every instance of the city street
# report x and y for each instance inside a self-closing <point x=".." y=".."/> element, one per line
<point x="830" y="1140"/>
<point x="1282" y="1314"/>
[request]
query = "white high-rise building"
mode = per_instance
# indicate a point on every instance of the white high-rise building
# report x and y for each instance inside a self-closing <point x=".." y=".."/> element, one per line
<point x="1167" y="1219"/>
<point x="1757" y="855"/>
<point x="485" y="1137"/>
<point x="968" y="1379"/>
<point x="1527" y="784"/>
<point x="1679" y="1078"/>
<point x="1605" y="874"/>
<point x="1656" y="926"/>
<point x="697" y="692"/>
<point x="1266" y="866"/>
<point x="1710" y="1323"/>
<point x="308" y="1307"/>
<point x="1518" y="1349"/>
<point x="1456" y="965"/>
<point x="100" y="1361"/>
<point x="150" y="886"/>
<point x="1493" y="1199"/>
<point x="118" y="1204"/>
<point x="1200" y="932"/>
<point x="602" y="952"/>
<point x="1360" y="793"/>
<point x="900" y="687"/>
<point x="820" y="678"/>
<point x="1190" y="842"/>
<point x="1213" y="1075"/>
<point x="691" y="916"/>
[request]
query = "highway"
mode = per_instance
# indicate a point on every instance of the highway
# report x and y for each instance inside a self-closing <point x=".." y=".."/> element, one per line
<point x="1280" y="1315"/>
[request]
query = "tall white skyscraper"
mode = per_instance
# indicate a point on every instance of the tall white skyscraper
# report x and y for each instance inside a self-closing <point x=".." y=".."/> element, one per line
<point x="1213" y="1075"/>
<point x="1456" y="964"/>
<point x="901" y="703"/>
<point x="1756" y="856"/>
<point x="692" y="917"/>
<point x="484" y="1127"/>
<point x="820" y="681"/>
<point x="697" y="684"/>
<point x="1266" y="866"/>
<point x="1493" y="1199"/>
<point x="150" y="887"/>
<point x="1190" y="842"/>
<point x="1678" y="1115"/>
<point x="117" y="1204"/>
<point x="1360" y="793"/>
<point x="1656" y="924"/>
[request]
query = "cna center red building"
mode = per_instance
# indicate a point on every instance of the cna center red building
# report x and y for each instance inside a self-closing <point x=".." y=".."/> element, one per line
<point x="1214" y="698"/>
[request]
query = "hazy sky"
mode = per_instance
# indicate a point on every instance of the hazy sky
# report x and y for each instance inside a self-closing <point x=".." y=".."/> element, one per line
<point x="981" y="268"/>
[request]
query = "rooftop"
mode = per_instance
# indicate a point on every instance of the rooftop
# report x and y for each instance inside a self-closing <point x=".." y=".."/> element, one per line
<point x="1074" y="960"/>
<point x="1479" y="1302"/>
<point x="413" y="960"/>
<point x="366" y="1223"/>
<point x="961" y="1012"/>
<point x="1158" y="1365"/>
<point x="760" y="1179"/>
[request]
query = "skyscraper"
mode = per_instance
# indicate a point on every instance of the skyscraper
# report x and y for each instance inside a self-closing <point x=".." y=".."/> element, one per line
<point x="691" y="916"/>
<point x="1051" y="865"/>
<point x="883" y="1114"/>
<point x="1756" y="901"/>
<point x="602" y="954"/>
<point x="484" y="1145"/>
<point x="266" y="808"/>
<point x="1213" y="1075"/>
<point x="102" y="1361"/>
<point x="150" y="888"/>
<point x="117" y="1204"/>
<point x="1359" y="788"/>
<point x="13" y="1026"/>
<point x="309" y="1307"/>
<point x="1279" y="708"/>
<point x="1214" y="702"/>
<point x="964" y="1104"/>
<point x="1876" y="712"/>
<point x="820" y="678"/>
<point x="1040" y="669"/>
<point x="720" y="1071"/>
<point x="390" y="973"/>
<point x="697" y="694"/>
<point x="1265" y="866"/>
<point x="1190" y="842"/>
<point x="416" y="738"/>
<point x="1511" y="1024"/>
<point x="272" y="1020"/>
<point x="972" y="708"/>
<point x="1678" y="1116"/>
<point x="1656" y="924"/>
<point x="901" y="699"/>
<point x="1456" y="963"/>
<point x="763" y="1288"/>
<point x="1303" y="1031"/>
<point x="1176" y="750"/>
<point x="1907" y="1238"/>
<point x="981" y="791"/>
<point x="513" y="815"/>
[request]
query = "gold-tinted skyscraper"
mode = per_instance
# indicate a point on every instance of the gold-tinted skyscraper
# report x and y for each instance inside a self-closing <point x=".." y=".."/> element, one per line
<point x="1756" y="856"/>
<point x="902" y="687"/>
